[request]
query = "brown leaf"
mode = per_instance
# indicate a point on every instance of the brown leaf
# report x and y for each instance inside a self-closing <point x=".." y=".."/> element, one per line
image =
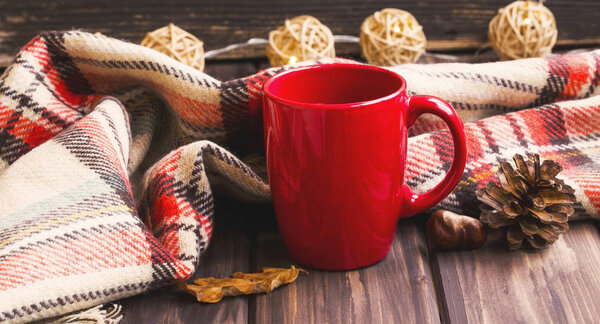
<point x="211" y="290"/>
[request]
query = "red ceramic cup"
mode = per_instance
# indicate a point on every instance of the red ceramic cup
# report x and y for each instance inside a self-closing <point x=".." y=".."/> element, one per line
<point x="336" y="137"/>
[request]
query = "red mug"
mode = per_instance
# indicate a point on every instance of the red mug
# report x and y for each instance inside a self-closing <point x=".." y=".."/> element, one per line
<point x="336" y="137"/>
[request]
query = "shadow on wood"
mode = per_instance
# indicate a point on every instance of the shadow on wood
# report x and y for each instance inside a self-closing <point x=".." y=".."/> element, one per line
<point x="397" y="289"/>
<point x="560" y="284"/>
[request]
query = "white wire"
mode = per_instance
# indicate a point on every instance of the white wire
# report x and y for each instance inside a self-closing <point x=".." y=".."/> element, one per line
<point x="346" y="39"/>
<point x="251" y="41"/>
<point x="260" y="41"/>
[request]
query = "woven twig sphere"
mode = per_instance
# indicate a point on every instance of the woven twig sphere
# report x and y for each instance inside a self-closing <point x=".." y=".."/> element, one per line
<point x="523" y="29"/>
<point x="301" y="38"/>
<point x="392" y="37"/>
<point x="178" y="44"/>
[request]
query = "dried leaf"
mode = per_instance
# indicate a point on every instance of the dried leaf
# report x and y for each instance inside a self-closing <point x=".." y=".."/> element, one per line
<point x="211" y="290"/>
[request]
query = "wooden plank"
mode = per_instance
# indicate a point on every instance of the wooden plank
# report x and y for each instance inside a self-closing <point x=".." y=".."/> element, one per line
<point x="399" y="289"/>
<point x="228" y="252"/>
<point x="229" y="70"/>
<point x="560" y="284"/>
<point x="448" y="24"/>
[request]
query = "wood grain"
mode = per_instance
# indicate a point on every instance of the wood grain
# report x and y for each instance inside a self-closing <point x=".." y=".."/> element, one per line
<point x="560" y="284"/>
<point x="399" y="289"/>
<point x="228" y="252"/>
<point x="448" y="24"/>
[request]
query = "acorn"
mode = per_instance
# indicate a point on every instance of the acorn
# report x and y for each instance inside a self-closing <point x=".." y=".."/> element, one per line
<point x="449" y="231"/>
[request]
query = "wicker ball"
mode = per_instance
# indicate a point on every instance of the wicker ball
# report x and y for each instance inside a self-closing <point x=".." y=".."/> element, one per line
<point x="301" y="38"/>
<point x="178" y="44"/>
<point x="523" y="29"/>
<point x="392" y="37"/>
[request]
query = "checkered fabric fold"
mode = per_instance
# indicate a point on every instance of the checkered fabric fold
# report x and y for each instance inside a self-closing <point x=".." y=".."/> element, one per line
<point x="110" y="154"/>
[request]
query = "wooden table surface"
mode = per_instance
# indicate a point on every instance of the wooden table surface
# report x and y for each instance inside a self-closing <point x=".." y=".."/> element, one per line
<point x="415" y="283"/>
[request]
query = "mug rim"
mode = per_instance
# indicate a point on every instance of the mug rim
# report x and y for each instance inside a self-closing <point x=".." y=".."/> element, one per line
<point x="349" y="105"/>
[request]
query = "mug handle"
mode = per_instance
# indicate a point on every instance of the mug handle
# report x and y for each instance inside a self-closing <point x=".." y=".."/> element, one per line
<point x="418" y="105"/>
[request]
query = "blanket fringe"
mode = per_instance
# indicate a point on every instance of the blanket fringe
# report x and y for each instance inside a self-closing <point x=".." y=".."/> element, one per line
<point x="101" y="314"/>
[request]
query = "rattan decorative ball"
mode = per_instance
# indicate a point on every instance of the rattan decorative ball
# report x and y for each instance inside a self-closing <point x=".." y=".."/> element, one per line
<point x="301" y="38"/>
<point x="392" y="37"/>
<point x="523" y="29"/>
<point x="178" y="44"/>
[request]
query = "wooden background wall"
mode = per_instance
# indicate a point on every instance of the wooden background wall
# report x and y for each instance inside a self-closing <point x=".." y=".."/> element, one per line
<point x="448" y="24"/>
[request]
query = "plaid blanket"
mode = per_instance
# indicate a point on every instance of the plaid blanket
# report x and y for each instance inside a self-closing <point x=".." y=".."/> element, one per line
<point x="110" y="154"/>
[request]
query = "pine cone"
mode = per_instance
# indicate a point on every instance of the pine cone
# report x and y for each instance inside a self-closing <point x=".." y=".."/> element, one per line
<point x="531" y="204"/>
